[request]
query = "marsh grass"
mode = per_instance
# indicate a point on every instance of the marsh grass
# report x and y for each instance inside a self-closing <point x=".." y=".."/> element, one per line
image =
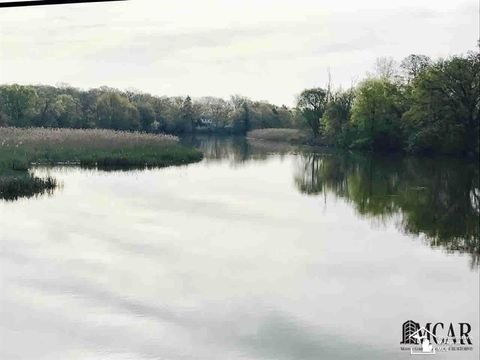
<point x="19" y="184"/>
<point x="20" y="148"/>
<point x="92" y="148"/>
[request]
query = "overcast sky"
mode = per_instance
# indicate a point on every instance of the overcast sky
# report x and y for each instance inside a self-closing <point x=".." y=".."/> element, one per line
<point x="264" y="49"/>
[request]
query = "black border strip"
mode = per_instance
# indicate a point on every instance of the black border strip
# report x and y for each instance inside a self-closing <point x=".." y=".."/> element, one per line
<point x="48" y="2"/>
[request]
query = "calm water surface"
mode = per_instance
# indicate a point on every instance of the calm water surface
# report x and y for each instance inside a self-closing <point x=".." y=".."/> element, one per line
<point x="254" y="253"/>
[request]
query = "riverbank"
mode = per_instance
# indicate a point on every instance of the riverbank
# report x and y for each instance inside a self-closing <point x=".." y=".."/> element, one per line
<point x="297" y="137"/>
<point x="281" y="135"/>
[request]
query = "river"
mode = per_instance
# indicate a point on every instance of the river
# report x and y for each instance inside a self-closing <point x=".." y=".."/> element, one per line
<point x="257" y="252"/>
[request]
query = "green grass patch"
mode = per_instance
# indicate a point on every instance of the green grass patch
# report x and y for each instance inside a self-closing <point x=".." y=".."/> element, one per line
<point x="139" y="156"/>
<point x="20" y="149"/>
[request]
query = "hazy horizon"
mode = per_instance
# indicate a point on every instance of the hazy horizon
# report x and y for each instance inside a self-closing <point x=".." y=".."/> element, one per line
<point x="266" y="51"/>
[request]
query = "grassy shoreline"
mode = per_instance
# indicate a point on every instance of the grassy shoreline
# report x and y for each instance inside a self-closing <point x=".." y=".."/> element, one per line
<point x="20" y="149"/>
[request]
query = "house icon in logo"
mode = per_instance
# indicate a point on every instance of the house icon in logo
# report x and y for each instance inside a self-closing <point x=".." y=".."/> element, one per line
<point x="423" y="337"/>
<point x="413" y="334"/>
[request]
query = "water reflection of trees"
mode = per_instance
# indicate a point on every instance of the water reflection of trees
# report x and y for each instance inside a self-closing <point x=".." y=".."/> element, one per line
<point x="235" y="149"/>
<point x="437" y="198"/>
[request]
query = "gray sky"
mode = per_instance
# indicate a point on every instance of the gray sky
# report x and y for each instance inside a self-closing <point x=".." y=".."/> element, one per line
<point x="264" y="49"/>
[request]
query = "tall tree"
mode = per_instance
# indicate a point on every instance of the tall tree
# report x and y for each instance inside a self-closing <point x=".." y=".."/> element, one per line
<point x="413" y="65"/>
<point x="311" y="103"/>
<point x="187" y="113"/>
<point x="446" y="105"/>
<point x="338" y="114"/>
<point x="377" y="113"/>
<point x="116" y="112"/>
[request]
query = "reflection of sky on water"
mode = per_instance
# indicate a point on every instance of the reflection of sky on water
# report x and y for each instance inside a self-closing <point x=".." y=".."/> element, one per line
<point x="211" y="261"/>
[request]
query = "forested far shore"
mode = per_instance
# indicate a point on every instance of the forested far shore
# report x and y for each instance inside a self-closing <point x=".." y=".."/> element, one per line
<point x="419" y="105"/>
<point x="64" y="106"/>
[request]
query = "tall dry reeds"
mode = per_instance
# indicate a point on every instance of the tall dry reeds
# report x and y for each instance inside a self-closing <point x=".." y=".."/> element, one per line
<point x="81" y="138"/>
<point x="19" y="148"/>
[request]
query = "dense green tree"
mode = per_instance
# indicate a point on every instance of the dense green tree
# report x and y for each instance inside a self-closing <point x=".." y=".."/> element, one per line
<point x="17" y="104"/>
<point x="116" y="112"/>
<point x="45" y="113"/>
<point x="88" y="107"/>
<point x="377" y="113"/>
<point x="337" y="119"/>
<point x="172" y="117"/>
<point x="444" y="116"/>
<point x="312" y="103"/>
<point x="67" y="111"/>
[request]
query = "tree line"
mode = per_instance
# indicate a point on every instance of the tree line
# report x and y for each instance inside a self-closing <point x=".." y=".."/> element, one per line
<point x="418" y="106"/>
<point x="68" y="107"/>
